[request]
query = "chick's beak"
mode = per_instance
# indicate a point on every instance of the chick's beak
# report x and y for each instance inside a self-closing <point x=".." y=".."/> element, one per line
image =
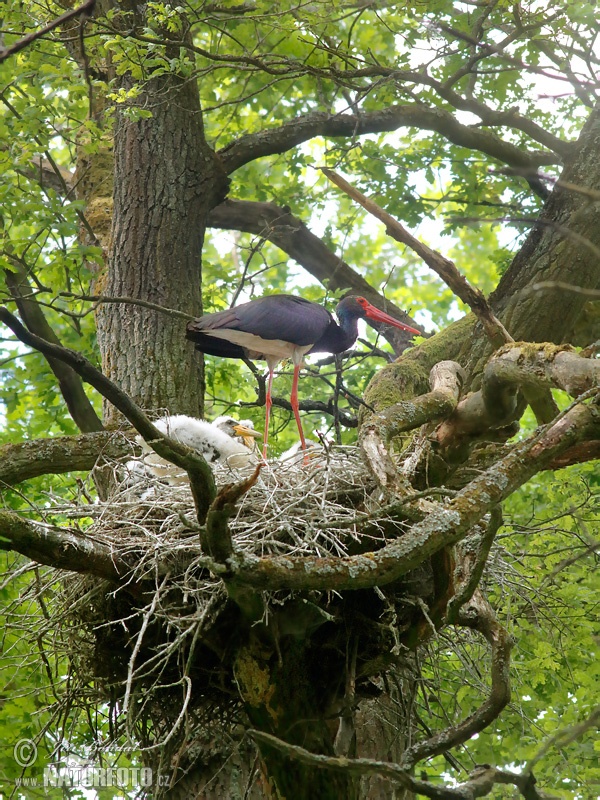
<point x="248" y="435"/>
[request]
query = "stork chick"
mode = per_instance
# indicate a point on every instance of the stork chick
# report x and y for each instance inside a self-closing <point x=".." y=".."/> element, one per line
<point x="216" y="441"/>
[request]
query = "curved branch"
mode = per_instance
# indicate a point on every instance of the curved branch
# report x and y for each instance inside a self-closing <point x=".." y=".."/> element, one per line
<point x="80" y="408"/>
<point x="471" y="559"/>
<point x="445" y="525"/>
<point x="482" y="619"/>
<point x="481" y="781"/>
<point x="529" y="367"/>
<point x="200" y="474"/>
<point x="279" y="140"/>
<point x="446" y="379"/>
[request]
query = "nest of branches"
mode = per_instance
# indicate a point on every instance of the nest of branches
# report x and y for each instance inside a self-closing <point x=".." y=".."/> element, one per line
<point x="158" y="647"/>
<point x="157" y="651"/>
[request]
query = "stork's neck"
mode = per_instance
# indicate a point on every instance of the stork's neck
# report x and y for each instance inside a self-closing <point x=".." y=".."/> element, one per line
<point x="338" y="338"/>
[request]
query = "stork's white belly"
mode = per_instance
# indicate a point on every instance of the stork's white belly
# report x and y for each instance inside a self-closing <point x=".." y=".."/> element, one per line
<point x="261" y="348"/>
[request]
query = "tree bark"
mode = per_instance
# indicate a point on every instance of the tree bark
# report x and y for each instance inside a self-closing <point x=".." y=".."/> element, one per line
<point x="166" y="181"/>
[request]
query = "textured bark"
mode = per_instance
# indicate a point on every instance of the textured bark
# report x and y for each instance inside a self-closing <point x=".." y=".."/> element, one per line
<point x="563" y="246"/>
<point x="166" y="181"/>
<point x="20" y="462"/>
<point x="285" y="695"/>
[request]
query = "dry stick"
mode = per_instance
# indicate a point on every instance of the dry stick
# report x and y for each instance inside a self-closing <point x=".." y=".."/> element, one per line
<point x="102" y="298"/>
<point x="86" y="9"/>
<point x="445" y="268"/>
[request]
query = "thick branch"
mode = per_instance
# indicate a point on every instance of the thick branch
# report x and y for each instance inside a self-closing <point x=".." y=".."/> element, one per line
<point x="446" y="379"/>
<point x="217" y="538"/>
<point x="60" y="548"/>
<point x="481" y="781"/>
<point x="519" y="366"/>
<point x="26" y="460"/>
<point x="444" y="526"/>
<point x="279" y="140"/>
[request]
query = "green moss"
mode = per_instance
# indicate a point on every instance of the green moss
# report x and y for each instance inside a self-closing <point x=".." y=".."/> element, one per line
<point x="408" y="377"/>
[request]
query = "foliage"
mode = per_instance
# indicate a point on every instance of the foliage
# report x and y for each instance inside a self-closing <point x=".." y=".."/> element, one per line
<point x="258" y="69"/>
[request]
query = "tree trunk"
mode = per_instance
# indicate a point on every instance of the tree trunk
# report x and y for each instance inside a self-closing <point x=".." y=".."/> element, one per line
<point x="286" y="694"/>
<point x="166" y="181"/>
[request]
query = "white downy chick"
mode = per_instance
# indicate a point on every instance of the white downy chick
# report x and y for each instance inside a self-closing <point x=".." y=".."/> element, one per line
<point x="216" y="441"/>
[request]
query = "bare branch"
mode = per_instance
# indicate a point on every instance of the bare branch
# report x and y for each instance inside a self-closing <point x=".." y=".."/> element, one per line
<point x="69" y="383"/>
<point x="279" y="140"/>
<point x="102" y="298"/>
<point x="442" y="266"/>
<point x="471" y="563"/>
<point x="565" y="287"/>
<point x="480" y="616"/>
<point x="481" y="781"/>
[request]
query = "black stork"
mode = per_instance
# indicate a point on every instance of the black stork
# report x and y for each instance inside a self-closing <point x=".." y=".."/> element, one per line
<point x="283" y="326"/>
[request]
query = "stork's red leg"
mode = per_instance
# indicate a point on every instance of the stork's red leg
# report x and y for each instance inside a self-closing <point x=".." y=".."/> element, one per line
<point x="268" y="404"/>
<point x="295" y="408"/>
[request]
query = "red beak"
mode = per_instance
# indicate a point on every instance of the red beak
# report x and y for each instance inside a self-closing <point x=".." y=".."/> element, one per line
<point x="380" y="316"/>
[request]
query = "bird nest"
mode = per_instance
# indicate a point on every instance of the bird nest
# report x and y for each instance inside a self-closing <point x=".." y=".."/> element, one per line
<point x="139" y="646"/>
<point x="144" y="650"/>
<point x="294" y="509"/>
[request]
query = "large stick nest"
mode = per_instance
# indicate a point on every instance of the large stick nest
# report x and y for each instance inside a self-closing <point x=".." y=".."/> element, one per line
<point x="184" y="622"/>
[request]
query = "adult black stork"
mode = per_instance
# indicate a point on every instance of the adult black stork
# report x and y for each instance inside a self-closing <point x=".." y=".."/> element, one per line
<point x="283" y="326"/>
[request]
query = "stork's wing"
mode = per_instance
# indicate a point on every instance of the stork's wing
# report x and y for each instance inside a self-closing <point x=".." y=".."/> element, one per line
<point x="291" y="319"/>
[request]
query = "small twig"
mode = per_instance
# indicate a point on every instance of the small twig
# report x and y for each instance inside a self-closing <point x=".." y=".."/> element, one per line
<point x="101" y="298"/>
<point x="566" y="287"/>
<point x="564" y="737"/>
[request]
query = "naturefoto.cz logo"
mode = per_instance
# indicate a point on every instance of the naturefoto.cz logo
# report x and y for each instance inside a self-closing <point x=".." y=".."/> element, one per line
<point x="89" y="777"/>
<point x="96" y="777"/>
